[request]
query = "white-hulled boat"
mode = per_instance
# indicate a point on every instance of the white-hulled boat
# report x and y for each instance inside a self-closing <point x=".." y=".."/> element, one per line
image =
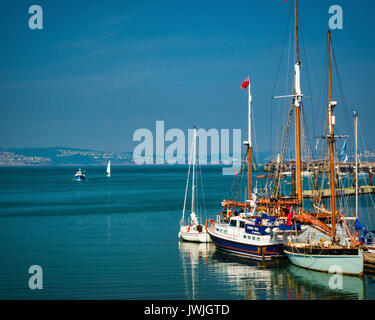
<point x="334" y="254"/>
<point x="193" y="230"/>
<point x="109" y="168"/>
<point x="79" y="176"/>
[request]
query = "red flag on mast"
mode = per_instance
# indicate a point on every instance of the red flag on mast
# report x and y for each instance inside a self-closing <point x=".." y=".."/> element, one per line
<point x="245" y="84"/>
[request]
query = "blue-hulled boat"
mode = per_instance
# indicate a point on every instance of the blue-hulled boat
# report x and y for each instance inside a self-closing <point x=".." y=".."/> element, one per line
<point x="79" y="176"/>
<point x="252" y="234"/>
<point x="261" y="238"/>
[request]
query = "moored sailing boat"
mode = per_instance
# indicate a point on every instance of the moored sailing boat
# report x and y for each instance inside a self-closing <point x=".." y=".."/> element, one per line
<point x="332" y="255"/>
<point x="251" y="234"/>
<point x="194" y="231"/>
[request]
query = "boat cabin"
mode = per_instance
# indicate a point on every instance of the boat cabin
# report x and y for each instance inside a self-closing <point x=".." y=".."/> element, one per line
<point x="261" y="225"/>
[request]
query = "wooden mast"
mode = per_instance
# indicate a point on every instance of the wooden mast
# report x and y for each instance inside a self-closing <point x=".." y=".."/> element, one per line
<point x="331" y="139"/>
<point x="297" y="103"/>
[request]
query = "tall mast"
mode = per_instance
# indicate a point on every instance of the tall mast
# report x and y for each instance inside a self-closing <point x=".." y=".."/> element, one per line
<point x="356" y="162"/>
<point x="297" y="105"/>
<point x="249" y="147"/>
<point x="331" y="139"/>
<point x="194" y="163"/>
<point x="188" y="178"/>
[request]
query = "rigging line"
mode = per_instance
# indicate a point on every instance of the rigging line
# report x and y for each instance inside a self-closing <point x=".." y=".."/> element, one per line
<point x="324" y="153"/>
<point x="271" y="127"/>
<point x="203" y="197"/>
<point x="285" y="143"/>
<point x="288" y="68"/>
<point x="240" y="180"/>
<point x="286" y="102"/>
<point x="362" y="136"/>
<point x="324" y="145"/>
<point x="255" y="137"/>
<point x="307" y="70"/>
<point x="348" y="123"/>
<point x="364" y="148"/>
<point x="284" y="118"/>
<point x="323" y="92"/>
<point x="307" y="147"/>
<point x="306" y="130"/>
<point x="235" y="179"/>
<point x="231" y="189"/>
<point x="186" y="190"/>
<point x="286" y="110"/>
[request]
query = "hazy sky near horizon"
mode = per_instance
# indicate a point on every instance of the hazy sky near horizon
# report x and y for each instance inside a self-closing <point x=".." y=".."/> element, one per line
<point x="99" y="70"/>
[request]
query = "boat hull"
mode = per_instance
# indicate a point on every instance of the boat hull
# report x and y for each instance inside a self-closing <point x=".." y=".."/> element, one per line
<point x="349" y="262"/>
<point x="193" y="235"/>
<point x="201" y="237"/>
<point x="79" y="178"/>
<point x="252" y="251"/>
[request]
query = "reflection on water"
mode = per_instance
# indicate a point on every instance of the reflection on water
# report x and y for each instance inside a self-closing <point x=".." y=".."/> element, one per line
<point x="193" y="254"/>
<point x="250" y="279"/>
<point x="308" y="282"/>
<point x="83" y="235"/>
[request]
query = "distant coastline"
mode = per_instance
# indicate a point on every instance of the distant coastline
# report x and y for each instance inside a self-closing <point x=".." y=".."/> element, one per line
<point x="63" y="156"/>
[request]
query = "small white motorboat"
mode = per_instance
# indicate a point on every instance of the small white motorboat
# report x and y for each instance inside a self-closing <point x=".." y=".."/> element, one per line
<point x="79" y="176"/>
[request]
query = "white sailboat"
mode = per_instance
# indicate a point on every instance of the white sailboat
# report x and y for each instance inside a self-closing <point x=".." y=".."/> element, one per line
<point x="335" y="253"/>
<point x="193" y="231"/>
<point x="109" y="168"/>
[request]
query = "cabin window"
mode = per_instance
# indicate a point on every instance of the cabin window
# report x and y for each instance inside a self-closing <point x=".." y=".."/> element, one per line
<point x="233" y="223"/>
<point x="244" y="237"/>
<point x="242" y="224"/>
<point x="258" y="239"/>
<point x="217" y="229"/>
<point x="253" y="238"/>
<point x="225" y="231"/>
<point x="249" y="237"/>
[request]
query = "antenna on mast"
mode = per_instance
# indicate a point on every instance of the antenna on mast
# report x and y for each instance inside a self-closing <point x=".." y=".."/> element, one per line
<point x="297" y="105"/>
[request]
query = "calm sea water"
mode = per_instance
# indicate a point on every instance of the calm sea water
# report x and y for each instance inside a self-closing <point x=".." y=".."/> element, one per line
<point x="117" y="239"/>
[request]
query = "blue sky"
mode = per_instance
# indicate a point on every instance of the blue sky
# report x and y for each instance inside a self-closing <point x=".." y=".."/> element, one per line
<point x="99" y="70"/>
